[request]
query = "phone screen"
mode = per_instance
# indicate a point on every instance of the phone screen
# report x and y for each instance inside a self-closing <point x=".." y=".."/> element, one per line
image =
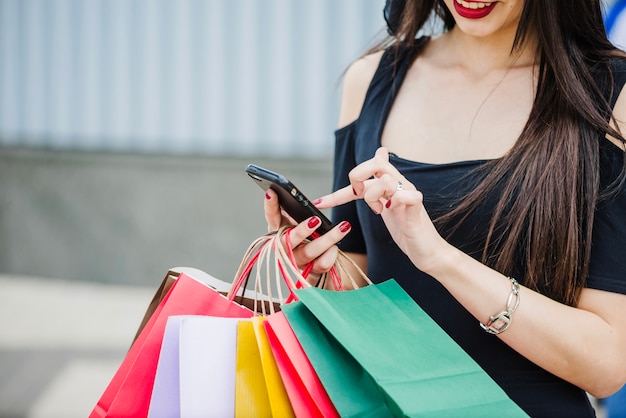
<point x="293" y="202"/>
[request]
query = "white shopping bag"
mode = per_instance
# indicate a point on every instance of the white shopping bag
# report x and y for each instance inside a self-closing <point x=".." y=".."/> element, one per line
<point x="165" y="400"/>
<point x="196" y="372"/>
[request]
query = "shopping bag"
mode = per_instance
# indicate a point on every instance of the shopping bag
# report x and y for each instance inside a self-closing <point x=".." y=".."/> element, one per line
<point x="353" y="392"/>
<point x="165" y="398"/>
<point x="128" y="394"/>
<point x="417" y="367"/>
<point x="196" y="371"/>
<point x="251" y="397"/>
<point x="306" y="393"/>
<point x="161" y="293"/>
<point x="278" y="398"/>
<point x="207" y="366"/>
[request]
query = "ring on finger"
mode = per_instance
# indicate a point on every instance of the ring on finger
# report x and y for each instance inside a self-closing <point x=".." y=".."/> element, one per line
<point x="399" y="186"/>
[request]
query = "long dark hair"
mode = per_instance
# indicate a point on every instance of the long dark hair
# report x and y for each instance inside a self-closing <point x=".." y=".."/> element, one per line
<point x="553" y="169"/>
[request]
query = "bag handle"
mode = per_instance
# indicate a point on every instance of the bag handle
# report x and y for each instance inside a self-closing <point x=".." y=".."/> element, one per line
<point x="337" y="273"/>
<point x="273" y="253"/>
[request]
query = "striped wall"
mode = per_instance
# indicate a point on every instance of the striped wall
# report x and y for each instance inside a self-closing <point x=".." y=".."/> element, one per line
<point x="219" y="77"/>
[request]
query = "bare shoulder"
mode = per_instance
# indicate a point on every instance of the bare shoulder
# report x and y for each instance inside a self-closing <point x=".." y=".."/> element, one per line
<point x="355" y="84"/>
<point x="619" y="114"/>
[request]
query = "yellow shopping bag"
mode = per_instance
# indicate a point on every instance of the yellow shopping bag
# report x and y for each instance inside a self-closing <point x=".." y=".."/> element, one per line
<point x="251" y="398"/>
<point x="279" y="401"/>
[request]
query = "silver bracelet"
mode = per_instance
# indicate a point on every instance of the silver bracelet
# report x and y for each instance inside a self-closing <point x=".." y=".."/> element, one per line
<point x="500" y="322"/>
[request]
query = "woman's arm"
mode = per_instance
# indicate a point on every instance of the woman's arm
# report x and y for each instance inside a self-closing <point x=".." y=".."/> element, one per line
<point x="585" y="345"/>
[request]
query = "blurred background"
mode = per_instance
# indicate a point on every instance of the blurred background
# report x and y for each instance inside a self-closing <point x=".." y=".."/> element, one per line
<point x="125" y="128"/>
<point x="126" y="125"/>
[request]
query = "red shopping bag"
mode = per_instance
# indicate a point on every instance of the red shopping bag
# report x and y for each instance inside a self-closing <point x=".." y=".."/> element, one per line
<point x="305" y="390"/>
<point x="128" y="394"/>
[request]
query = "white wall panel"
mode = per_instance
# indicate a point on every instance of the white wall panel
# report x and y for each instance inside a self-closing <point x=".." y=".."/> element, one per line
<point x="230" y="77"/>
<point x="9" y="69"/>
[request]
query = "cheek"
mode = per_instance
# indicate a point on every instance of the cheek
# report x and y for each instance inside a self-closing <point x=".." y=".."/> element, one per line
<point x="515" y="9"/>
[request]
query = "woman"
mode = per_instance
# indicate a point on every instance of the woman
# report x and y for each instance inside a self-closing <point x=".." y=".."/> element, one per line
<point x="483" y="169"/>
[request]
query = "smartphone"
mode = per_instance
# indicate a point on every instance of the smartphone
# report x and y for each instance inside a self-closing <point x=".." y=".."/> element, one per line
<point x="293" y="202"/>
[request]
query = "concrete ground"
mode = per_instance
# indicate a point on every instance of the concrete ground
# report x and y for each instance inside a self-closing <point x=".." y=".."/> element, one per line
<point x="61" y="342"/>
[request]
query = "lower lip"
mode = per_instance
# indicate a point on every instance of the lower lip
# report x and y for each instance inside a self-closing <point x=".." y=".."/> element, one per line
<point x="473" y="13"/>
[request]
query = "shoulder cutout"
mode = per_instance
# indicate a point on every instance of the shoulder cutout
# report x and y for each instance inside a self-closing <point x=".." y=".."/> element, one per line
<point x="355" y="85"/>
<point x="619" y="115"/>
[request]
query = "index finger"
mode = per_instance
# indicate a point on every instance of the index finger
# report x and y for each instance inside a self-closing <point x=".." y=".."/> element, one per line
<point x="337" y="198"/>
<point x="374" y="167"/>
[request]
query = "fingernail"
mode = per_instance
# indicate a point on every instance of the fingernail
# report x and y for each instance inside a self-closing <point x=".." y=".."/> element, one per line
<point x="267" y="196"/>
<point x="317" y="202"/>
<point x="313" y="222"/>
<point x="354" y="191"/>
<point x="388" y="204"/>
<point x="344" y="226"/>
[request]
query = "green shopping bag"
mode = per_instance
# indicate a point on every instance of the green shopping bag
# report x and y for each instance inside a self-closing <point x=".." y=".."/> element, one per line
<point x="350" y="388"/>
<point x="416" y="367"/>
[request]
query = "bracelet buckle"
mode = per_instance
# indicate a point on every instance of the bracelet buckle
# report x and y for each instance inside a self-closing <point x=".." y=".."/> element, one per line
<point x="500" y="322"/>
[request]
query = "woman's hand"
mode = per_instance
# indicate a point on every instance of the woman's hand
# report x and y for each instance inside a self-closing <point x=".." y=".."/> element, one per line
<point x="322" y="251"/>
<point x="400" y="204"/>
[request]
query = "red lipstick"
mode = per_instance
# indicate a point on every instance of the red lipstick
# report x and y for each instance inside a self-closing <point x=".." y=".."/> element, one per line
<point x="473" y="13"/>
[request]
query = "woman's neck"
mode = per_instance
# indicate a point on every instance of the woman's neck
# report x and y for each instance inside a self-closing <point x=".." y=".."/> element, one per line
<point x="482" y="55"/>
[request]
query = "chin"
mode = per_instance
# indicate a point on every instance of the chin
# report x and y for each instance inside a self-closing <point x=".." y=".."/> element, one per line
<point x="484" y="30"/>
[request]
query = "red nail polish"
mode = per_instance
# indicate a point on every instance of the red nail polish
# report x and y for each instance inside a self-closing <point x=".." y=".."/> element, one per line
<point x="267" y="196"/>
<point x="317" y="202"/>
<point x="388" y="204"/>
<point x="344" y="226"/>
<point x="354" y="191"/>
<point x="313" y="222"/>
